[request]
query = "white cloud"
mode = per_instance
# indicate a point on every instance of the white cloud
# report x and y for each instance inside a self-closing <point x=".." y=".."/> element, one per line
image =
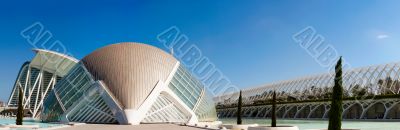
<point x="382" y="36"/>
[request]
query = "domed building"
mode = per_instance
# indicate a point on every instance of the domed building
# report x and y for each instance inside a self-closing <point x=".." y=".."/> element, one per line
<point x="128" y="83"/>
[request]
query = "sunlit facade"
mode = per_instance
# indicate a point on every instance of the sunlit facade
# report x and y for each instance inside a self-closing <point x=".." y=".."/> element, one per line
<point x="38" y="77"/>
<point x="129" y="83"/>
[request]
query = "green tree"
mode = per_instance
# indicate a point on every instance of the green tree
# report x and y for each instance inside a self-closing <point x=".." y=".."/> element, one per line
<point x="20" y="111"/>
<point x="239" y="110"/>
<point x="273" y="111"/>
<point x="335" y="113"/>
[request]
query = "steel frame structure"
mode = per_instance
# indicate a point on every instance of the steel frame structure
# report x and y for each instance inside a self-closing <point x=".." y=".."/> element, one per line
<point x="308" y="110"/>
<point x="38" y="77"/>
<point x="372" y="80"/>
<point x="105" y="86"/>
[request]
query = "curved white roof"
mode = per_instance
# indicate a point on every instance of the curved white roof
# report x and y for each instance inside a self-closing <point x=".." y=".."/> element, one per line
<point x="53" y="62"/>
<point x="56" y="53"/>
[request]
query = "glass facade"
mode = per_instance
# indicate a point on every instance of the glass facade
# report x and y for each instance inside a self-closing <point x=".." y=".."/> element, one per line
<point x="163" y="110"/>
<point x="13" y="101"/>
<point x="54" y="106"/>
<point x="31" y="89"/>
<point x="72" y="92"/>
<point x="193" y="93"/>
<point x="75" y="99"/>
<point x="205" y="110"/>
<point x="186" y="87"/>
<point x="60" y="88"/>
<point x="37" y="79"/>
<point x="92" y="109"/>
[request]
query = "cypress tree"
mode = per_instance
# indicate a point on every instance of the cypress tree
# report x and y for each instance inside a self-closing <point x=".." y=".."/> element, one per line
<point x="239" y="110"/>
<point x="20" y="111"/>
<point x="335" y="113"/>
<point x="273" y="111"/>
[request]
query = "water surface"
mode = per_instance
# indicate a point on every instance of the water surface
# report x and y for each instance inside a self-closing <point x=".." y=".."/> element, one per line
<point x="317" y="124"/>
<point x="6" y="121"/>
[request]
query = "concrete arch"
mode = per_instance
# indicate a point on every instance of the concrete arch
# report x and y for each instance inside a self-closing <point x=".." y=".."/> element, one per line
<point x="359" y="109"/>
<point x="393" y="112"/>
<point x="303" y="112"/>
<point x="261" y="112"/>
<point x="318" y="112"/>
<point x="290" y="112"/>
<point x="280" y="111"/>
<point x="374" y="111"/>
<point x="353" y="112"/>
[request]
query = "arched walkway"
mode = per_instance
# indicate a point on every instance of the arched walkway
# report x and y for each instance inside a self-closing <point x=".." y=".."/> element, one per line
<point x="319" y="112"/>
<point x="262" y="113"/>
<point x="354" y="112"/>
<point x="394" y="113"/>
<point x="303" y="113"/>
<point x="291" y="113"/>
<point x="376" y="111"/>
<point x="279" y="112"/>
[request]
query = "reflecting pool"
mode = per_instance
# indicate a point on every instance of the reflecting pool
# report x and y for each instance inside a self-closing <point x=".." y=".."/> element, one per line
<point x="318" y="124"/>
<point x="6" y="121"/>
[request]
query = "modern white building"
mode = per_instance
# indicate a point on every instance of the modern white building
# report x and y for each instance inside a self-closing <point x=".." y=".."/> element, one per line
<point x="128" y="83"/>
<point x="38" y="77"/>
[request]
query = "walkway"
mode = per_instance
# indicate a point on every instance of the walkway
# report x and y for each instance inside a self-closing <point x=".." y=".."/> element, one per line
<point x="130" y="127"/>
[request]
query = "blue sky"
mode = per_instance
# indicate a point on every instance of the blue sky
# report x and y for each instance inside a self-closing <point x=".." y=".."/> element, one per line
<point x="249" y="41"/>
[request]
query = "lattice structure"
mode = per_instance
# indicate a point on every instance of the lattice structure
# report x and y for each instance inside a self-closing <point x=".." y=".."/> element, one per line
<point x="38" y="77"/>
<point x="368" y="109"/>
<point x="378" y="80"/>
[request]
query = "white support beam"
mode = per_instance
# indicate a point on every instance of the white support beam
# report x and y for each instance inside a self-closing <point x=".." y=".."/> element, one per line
<point x="38" y="89"/>
<point x="40" y="105"/>
<point x="32" y="90"/>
